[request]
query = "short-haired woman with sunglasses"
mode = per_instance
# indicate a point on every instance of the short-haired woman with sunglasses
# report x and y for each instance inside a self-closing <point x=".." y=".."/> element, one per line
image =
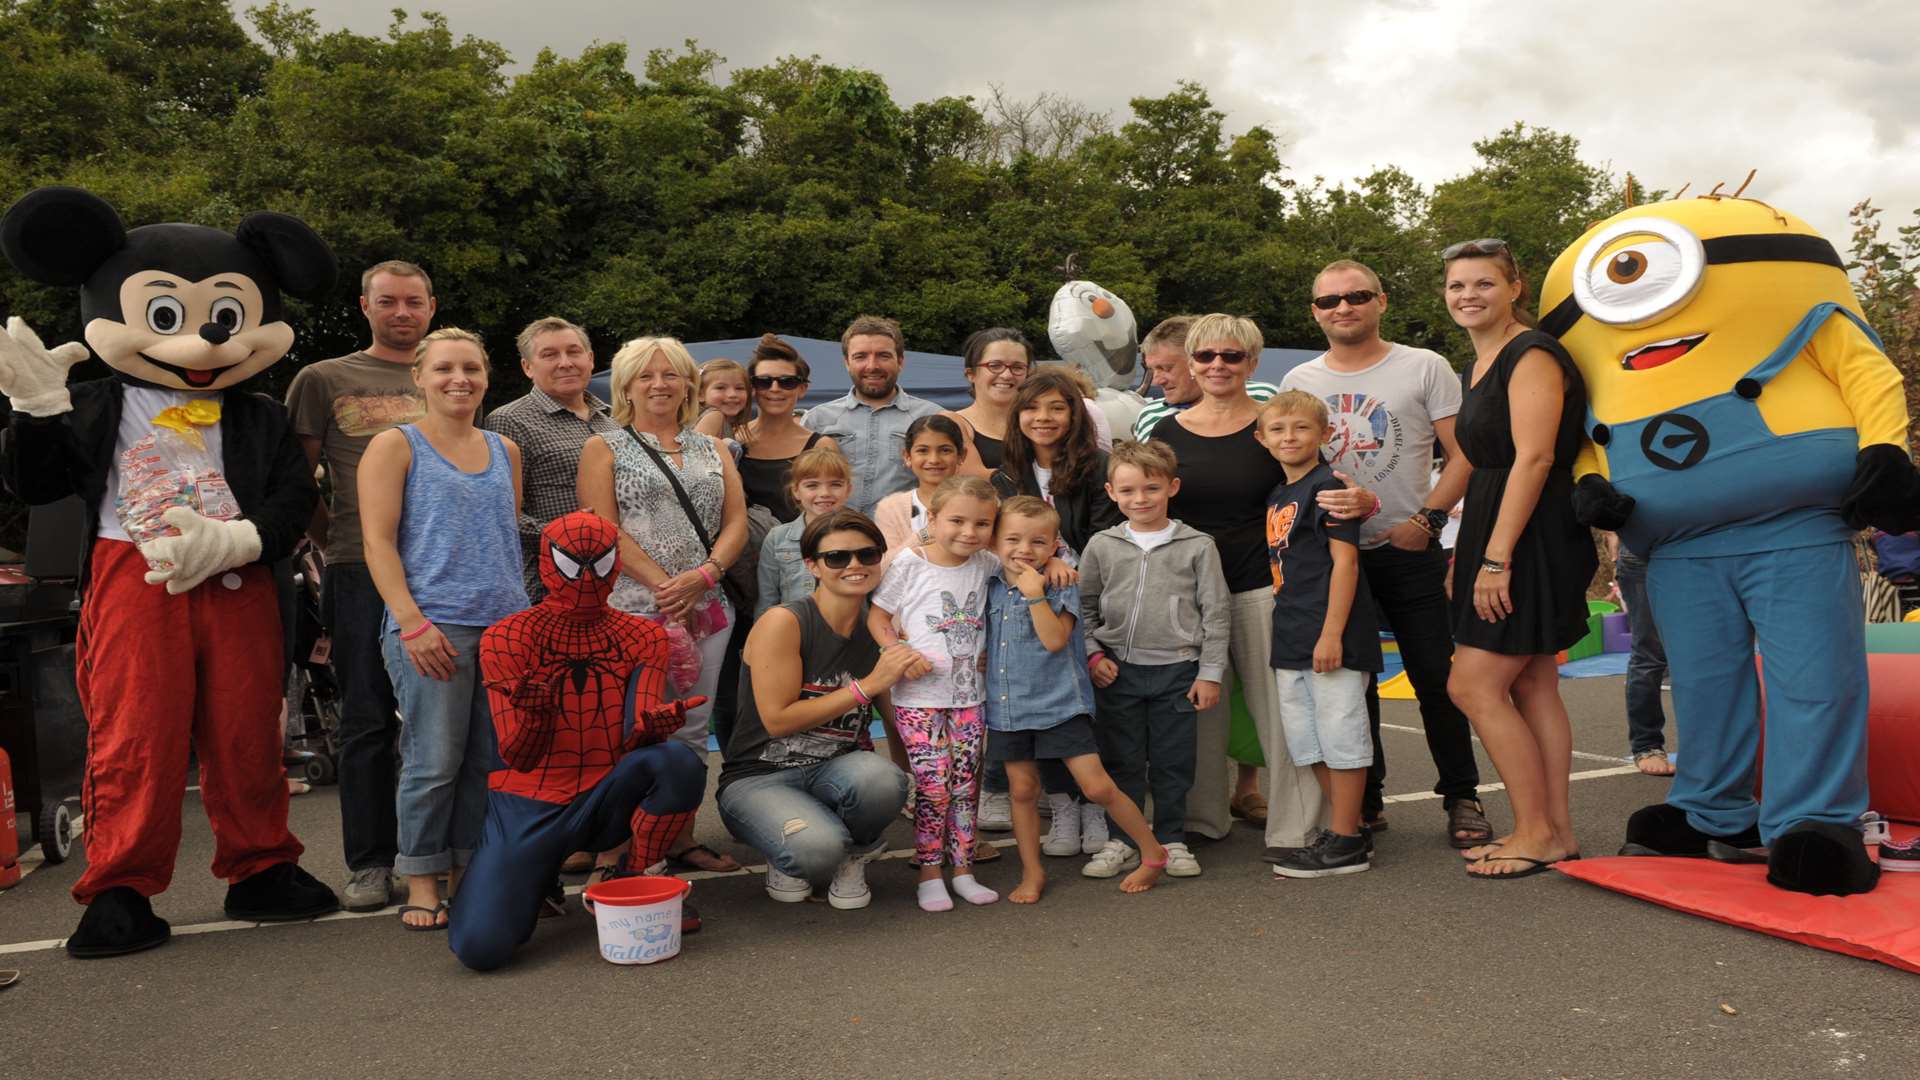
<point x="1522" y="563"/>
<point x="1225" y="477"/>
<point x="801" y="783"/>
<point x="778" y="378"/>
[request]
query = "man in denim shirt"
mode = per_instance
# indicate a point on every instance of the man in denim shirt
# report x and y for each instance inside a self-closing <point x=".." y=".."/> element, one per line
<point x="870" y="422"/>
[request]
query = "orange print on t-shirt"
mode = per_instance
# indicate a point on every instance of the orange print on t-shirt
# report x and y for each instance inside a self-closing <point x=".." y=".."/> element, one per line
<point x="1279" y="527"/>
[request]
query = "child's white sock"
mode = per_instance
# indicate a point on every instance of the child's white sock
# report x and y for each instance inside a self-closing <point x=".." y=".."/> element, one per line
<point x="933" y="895"/>
<point x="972" y="891"/>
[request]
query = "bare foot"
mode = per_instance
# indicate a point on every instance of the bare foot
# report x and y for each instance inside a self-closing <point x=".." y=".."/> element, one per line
<point x="1475" y="854"/>
<point x="1142" y="879"/>
<point x="1030" y="887"/>
<point x="1513" y="859"/>
<point x="423" y="902"/>
<point x="1653" y="763"/>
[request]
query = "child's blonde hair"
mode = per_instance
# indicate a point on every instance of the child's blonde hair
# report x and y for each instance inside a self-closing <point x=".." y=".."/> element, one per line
<point x="820" y="462"/>
<point x="1029" y="506"/>
<point x="1294" y="403"/>
<point x="713" y="369"/>
<point x="1153" y="457"/>
<point x="962" y="487"/>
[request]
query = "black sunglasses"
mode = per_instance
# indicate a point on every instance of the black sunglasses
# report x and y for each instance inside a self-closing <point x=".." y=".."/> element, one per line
<point x="1487" y="246"/>
<point x="1354" y="299"/>
<point x="1225" y="356"/>
<point x="838" y="560"/>
<point x="786" y="382"/>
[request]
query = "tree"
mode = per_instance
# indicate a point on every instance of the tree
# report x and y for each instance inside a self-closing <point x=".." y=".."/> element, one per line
<point x="1888" y="284"/>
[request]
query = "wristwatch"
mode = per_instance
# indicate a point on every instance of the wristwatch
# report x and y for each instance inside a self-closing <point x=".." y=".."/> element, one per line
<point x="1435" y="520"/>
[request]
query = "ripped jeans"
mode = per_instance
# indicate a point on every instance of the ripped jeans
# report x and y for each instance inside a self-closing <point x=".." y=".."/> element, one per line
<point x="806" y="821"/>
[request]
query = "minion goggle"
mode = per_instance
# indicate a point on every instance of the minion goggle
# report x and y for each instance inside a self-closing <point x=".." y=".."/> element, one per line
<point x="1662" y="268"/>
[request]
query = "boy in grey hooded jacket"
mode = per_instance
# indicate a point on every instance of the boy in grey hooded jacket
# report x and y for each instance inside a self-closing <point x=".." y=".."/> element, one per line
<point x="1155" y="609"/>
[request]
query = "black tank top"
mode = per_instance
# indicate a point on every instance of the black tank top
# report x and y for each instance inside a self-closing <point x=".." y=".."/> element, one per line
<point x="988" y="450"/>
<point x="827" y="661"/>
<point x="764" y="480"/>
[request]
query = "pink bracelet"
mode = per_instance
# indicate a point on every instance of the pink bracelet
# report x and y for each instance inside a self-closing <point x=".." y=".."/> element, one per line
<point x="1095" y="658"/>
<point x="418" y="630"/>
<point x="859" y="695"/>
<point x="706" y="577"/>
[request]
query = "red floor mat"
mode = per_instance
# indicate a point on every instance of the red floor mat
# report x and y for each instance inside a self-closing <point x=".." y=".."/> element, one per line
<point x="1882" y="925"/>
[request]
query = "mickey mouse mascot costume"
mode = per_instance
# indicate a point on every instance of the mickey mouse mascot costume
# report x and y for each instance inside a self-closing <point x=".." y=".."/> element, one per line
<point x="192" y="489"/>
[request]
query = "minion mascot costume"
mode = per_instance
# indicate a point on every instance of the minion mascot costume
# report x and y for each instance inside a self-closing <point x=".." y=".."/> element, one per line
<point x="1744" y="424"/>
<point x="192" y="489"/>
<point x="1094" y="330"/>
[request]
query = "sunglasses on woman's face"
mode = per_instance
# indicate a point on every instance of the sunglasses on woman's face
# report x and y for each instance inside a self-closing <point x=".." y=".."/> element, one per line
<point x="1233" y="357"/>
<point x="838" y="560"/>
<point x="1356" y="298"/>
<point x="785" y="382"/>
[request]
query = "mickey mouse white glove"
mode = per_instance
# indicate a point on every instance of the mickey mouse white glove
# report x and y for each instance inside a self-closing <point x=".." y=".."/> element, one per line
<point x="33" y="377"/>
<point x="205" y="547"/>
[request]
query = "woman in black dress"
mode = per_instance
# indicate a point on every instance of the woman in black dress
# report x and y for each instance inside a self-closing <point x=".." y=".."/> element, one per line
<point x="1522" y="563"/>
<point x="774" y="438"/>
<point x="998" y="360"/>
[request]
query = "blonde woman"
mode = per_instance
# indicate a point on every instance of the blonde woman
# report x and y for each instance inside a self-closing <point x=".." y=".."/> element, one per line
<point x="671" y="561"/>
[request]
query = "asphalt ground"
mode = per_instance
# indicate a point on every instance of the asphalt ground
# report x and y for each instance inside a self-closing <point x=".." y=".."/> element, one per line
<point x="1411" y="970"/>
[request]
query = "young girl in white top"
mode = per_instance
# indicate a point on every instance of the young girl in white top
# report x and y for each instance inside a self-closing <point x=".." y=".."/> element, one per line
<point x="934" y="451"/>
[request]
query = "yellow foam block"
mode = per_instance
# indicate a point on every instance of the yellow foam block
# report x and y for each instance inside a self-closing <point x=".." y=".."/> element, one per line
<point x="1398" y="688"/>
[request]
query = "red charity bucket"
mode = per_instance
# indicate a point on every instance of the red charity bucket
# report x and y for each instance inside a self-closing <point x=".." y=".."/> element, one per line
<point x="638" y="918"/>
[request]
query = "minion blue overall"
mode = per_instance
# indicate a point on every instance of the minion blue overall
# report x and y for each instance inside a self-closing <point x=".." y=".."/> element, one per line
<point x="1744" y="422"/>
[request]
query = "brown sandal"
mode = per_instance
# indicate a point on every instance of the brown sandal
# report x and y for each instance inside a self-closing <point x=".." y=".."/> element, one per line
<point x="1467" y="825"/>
<point x="1252" y="808"/>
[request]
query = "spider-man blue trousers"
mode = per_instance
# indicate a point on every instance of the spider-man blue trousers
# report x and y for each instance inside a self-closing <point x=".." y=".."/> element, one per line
<point x="648" y="795"/>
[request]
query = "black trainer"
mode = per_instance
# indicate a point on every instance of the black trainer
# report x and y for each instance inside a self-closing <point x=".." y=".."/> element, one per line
<point x="1332" y="856"/>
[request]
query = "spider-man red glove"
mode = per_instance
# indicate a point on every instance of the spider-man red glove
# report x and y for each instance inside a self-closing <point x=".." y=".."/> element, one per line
<point x="656" y="722"/>
<point x="525" y="728"/>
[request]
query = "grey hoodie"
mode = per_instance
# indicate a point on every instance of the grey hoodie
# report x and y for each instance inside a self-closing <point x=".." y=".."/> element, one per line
<point x="1164" y="606"/>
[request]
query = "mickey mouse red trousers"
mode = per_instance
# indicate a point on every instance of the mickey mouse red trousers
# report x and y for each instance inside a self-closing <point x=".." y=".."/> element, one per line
<point x="160" y="675"/>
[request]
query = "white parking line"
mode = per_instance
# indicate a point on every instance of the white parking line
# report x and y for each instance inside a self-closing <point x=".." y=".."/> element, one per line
<point x="698" y="875"/>
<point x="1581" y="754"/>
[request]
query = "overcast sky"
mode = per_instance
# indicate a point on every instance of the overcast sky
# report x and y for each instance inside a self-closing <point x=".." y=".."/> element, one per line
<point x="1823" y="99"/>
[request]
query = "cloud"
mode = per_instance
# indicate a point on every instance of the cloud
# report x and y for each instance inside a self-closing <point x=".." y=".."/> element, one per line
<point x="1819" y="98"/>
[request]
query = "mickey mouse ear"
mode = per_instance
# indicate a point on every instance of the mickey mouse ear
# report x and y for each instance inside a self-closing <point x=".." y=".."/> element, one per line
<point x="302" y="262"/>
<point x="61" y="235"/>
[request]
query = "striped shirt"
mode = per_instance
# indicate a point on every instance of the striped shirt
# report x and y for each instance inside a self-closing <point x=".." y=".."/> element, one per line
<point x="1159" y="408"/>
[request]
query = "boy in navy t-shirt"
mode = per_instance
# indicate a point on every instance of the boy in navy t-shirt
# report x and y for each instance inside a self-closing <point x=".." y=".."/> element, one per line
<point x="1325" y="638"/>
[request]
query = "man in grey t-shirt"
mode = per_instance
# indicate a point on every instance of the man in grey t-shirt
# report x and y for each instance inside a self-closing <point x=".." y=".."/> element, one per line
<point x="1389" y="404"/>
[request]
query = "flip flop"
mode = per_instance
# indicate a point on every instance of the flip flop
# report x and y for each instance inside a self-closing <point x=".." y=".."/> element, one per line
<point x="434" y="911"/>
<point x="681" y="862"/>
<point x="1535" y="866"/>
<point x="8" y="978"/>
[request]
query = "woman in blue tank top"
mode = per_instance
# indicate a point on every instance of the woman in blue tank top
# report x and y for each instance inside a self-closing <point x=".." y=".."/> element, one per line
<point x="439" y="504"/>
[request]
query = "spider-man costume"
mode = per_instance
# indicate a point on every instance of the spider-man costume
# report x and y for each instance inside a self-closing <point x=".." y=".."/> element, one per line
<point x="575" y="688"/>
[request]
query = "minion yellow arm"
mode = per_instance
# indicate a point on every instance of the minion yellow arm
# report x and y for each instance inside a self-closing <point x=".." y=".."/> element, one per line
<point x="1590" y="459"/>
<point x="1868" y="382"/>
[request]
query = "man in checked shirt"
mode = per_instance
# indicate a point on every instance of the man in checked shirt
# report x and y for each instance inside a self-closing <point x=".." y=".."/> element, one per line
<point x="550" y="425"/>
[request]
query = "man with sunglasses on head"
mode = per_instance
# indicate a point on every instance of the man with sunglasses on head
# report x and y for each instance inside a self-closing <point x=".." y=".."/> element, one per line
<point x="550" y="424"/>
<point x="1165" y="354"/>
<point x="870" y="422"/>
<point x="1389" y="404"/>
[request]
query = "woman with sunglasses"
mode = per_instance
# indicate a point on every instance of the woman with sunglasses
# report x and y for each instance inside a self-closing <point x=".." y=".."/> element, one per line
<point x="997" y="360"/>
<point x="1225" y="477"/>
<point x="778" y="377"/>
<point x="1522" y="563"/>
<point x="800" y="782"/>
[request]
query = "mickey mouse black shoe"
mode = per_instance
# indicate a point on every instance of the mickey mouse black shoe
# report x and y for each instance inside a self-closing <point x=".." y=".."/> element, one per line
<point x="281" y="893"/>
<point x="118" y="921"/>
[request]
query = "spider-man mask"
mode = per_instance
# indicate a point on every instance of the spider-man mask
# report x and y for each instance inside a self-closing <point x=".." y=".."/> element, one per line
<point x="579" y="556"/>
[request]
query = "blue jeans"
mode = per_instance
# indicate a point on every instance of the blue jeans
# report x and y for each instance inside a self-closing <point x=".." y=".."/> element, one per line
<point x="369" y="765"/>
<point x="1647" y="664"/>
<point x="807" y="821"/>
<point x="1146" y="734"/>
<point x="446" y="752"/>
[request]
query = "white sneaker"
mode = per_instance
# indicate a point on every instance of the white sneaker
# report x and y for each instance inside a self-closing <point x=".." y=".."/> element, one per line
<point x="849" y="889"/>
<point x="1093" y="828"/>
<point x="1180" y="862"/>
<point x="1110" y="860"/>
<point x="1063" y="835"/>
<point x="787" y="890"/>
<point x="996" y="811"/>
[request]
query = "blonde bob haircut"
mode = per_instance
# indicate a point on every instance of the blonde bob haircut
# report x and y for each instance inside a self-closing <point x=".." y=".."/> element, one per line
<point x="1220" y="327"/>
<point x="634" y="356"/>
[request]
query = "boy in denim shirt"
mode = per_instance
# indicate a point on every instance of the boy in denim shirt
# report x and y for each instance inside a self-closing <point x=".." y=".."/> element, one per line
<point x="1039" y="703"/>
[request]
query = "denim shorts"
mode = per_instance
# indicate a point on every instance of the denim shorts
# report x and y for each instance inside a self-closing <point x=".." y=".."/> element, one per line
<point x="1068" y="739"/>
<point x="1325" y="717"/>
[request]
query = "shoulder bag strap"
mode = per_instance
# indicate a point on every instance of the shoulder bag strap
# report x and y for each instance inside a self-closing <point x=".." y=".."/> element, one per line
<point x="686" y="504"/>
